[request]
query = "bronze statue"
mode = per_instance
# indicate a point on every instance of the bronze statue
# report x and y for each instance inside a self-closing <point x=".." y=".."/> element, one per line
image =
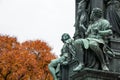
<point x="111" y="12"/>
<point x="113" y="15"/>
<point x="83" y="11"/>
<point x="66" y="53"/>
<point x="96" y="39"/>
<point x="98" y="29"/>
<point x="81" y="20"/>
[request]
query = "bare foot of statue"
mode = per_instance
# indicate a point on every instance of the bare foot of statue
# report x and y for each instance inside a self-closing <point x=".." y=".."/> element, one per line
<point x="105" y="68"/>
<point x="78" y="68"/>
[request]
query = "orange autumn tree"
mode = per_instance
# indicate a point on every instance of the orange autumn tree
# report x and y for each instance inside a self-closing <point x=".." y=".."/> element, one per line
<point x="25" y="61"/>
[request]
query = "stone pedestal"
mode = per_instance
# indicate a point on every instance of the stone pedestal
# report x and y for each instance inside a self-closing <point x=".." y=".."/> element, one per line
<point x="91" y="74"/>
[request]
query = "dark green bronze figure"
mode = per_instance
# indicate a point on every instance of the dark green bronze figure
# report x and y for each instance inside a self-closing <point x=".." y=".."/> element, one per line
<point x="97" y="31"/>
<point x="66" y="52"/>
<point x="111" y="12"/>
<point x="96" y="43"/>
<point x="113" y="16"/>
<point x="81" y="20"/>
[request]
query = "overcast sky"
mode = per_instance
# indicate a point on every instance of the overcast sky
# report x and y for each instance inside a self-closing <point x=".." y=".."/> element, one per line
<point x="38" y="19"/>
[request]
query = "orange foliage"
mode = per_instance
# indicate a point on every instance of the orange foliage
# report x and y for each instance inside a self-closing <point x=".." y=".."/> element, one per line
<point x="25" y="61"/>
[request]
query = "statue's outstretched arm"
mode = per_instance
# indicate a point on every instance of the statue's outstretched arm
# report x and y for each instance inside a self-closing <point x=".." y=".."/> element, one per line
<point x="106" y="32"/>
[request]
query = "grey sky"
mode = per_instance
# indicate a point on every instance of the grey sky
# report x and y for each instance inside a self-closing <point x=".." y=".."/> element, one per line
<point x="38" y="19"/>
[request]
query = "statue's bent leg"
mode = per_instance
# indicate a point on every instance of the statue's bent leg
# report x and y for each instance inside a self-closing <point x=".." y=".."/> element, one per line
<point x="99" y="53"/>
<point x="53" y="65"/>
<point x="79" y="49"/>
<point x="52" y="69"/>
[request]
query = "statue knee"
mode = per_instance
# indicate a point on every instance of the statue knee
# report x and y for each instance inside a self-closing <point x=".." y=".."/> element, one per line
<point x="53" y="63"/>
<point x="78" y="42"/>
<point x="50" y="64"/>
<point x="93" y="45"/>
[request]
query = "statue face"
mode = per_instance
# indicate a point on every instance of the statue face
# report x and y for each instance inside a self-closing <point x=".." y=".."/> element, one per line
<point x="65" y="37"/>
<point x="96" y="13"/>
<point x="117" y="5"/>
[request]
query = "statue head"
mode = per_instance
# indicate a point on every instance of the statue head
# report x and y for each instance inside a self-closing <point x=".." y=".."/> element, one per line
<point x="96" y="13"/>
<point x="65" y="37"/>
<point x="117" y="4"/>
<point x="82" y="5"/>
